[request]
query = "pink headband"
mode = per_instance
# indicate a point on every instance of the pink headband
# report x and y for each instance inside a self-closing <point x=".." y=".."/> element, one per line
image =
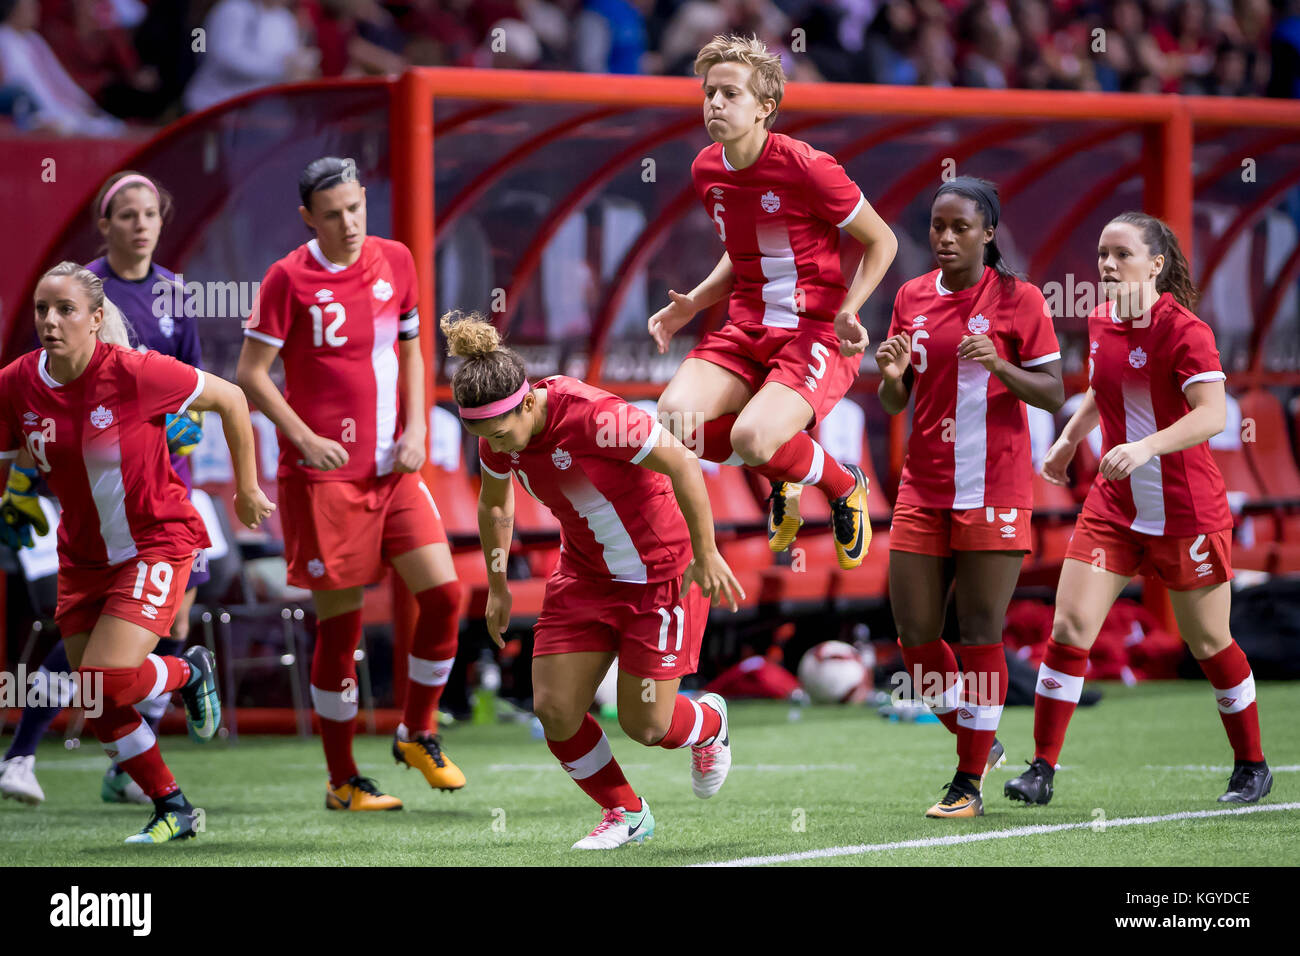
<point x="493" y="409"/>
<point x="125" y="181"/>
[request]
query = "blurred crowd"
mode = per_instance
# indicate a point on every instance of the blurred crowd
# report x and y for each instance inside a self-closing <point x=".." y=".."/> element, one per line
<point x="85" y="66"/>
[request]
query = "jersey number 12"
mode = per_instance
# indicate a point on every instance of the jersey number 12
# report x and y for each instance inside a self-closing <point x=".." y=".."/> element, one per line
<point x="320" y="335"/>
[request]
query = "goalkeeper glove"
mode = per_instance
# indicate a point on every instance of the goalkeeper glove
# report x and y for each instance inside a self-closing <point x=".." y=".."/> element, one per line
<point x="20" y="510"/>
<point x="184" y="432"/>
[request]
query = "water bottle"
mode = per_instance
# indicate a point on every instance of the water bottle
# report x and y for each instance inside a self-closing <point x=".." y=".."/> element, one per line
<point x="489" y="683"/>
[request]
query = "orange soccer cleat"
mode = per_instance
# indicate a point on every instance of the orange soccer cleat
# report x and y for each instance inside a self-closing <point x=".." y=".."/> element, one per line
<point x="359" y="793"/>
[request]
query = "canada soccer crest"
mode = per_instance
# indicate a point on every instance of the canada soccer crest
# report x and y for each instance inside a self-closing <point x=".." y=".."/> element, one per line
<point x="1137" y="358"/>
<point x="771" y="201"/>
<point x="561" y="459"/>
<point x="382" y="290"/>
<point x="101" y="417"/>
<point x="315" y="567"/>
<point x="978" y="325"/>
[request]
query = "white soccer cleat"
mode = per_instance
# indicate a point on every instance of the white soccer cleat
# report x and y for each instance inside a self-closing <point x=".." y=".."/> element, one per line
<point x="18" y="780"/>
<point x="711" y="763"/>
<point x="619" y="827"/>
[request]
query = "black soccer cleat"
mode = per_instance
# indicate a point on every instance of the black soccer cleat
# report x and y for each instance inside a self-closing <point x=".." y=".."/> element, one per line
<point x="202" y="705"/>
<point x="1032" y="786"/>
<point x="1250" y="782"/>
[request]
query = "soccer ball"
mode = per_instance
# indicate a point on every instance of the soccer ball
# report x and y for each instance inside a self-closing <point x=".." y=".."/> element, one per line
<point x="834" y="673"/>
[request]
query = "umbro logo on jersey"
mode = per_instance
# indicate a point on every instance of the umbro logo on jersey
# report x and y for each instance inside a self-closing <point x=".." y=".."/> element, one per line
<point x="1203" y="569"/>
<point x="324" y="295"/>
<point x="149" y="611"/>
<point x="31" y="418"/>
<point x="101" y="417"/>
<point x="514" y="458"/>
<point x="1051" y="683"/>
<point x="771" y="202"/>
<point x="717" y="192"/>
<point x="978" y="325"/>
<point x="561" y="459"/>
<point x="382" y="290"/>
<point x="315" y="567"/>
<point x="919" y="321"/>
<point x="1137" y="358"/>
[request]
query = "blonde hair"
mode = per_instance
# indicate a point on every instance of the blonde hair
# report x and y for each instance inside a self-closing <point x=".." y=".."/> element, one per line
<point x="766" y="82"/>
<point x="490" y="371"/>
<point x="115" y="329"/>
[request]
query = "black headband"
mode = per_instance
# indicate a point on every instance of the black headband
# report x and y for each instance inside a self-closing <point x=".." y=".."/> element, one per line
<point x="975" y="189"/>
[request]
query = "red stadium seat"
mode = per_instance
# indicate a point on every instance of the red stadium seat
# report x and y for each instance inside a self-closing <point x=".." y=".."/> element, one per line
<point x="1255" y="536"/>
<point x="1269" y="455"/>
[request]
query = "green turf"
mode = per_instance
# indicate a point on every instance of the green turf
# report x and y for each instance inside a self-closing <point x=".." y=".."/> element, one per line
<point x="845" y="774"/>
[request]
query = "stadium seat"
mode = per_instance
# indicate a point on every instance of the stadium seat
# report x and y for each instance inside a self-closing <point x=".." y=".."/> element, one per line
<point x="1255" y="535"/>
<point x="1270" y="457"/>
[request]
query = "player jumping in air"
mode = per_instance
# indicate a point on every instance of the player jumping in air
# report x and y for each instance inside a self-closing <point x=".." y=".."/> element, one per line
<point x="341" y="311"/>
<point x="1158" y="504"/>
<point x="90" y="412"/>
<point x="746" y="393"/>
<point x="636" y="531"/>
<point x="129" y="212"/>
<point x="971" y="342"/>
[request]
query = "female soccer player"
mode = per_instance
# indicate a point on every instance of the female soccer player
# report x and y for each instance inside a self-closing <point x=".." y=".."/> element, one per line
<point x="91" y="411"/>
<point x="746" y="393"/>
<point x="129" y="212"/>
<point x="342" y="313"/>
<point x="1158" y="503"/>
<point x="972" y="342"/>
<point x="633" y="540"/>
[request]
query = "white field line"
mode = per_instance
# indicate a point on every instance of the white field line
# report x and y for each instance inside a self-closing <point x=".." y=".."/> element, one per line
<point x="1208" y="768"/>
<point x="954" y="839"/>
<point x="759" y="767"/>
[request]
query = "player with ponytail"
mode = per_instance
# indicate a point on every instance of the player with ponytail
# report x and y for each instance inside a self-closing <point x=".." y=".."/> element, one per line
<point x="1158" y="505"/>
<point x="636" y="531"/>
<point x="89" y="415"/>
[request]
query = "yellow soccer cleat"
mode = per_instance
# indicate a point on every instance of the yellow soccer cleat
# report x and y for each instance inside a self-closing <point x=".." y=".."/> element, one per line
<point x="425" y="754"/>
<point x="783" y="521"/>
<point x="359" y="793"/>
<point x="957" y="802"/>
<point x="850" y="522"/>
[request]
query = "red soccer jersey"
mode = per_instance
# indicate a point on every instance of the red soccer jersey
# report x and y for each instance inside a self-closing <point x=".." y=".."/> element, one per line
<point x="617" y="521"/>
<point x="337" y="329"/>
<point x="1139" y="371"/>
<point x="780" y="220"/>
<point x="100" y="443"/>
<point x="969" y="446"/>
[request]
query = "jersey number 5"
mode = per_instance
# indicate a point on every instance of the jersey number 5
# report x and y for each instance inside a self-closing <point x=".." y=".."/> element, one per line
<point x="717" y="217"/>
<point x="918" y="346"/>
<point x="819" y="353"/>
<point x="320" y="335"/>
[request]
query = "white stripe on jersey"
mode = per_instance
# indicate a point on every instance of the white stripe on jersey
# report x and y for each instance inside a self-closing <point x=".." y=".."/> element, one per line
<point x="620" y="554"/>
<point x="1204" y="377"/>
<point x="109" y="492"/>
<point x="263" y="337"/>
<point x="782" y="275"/>
<point x="970" y="446"/>
<point x="851" y="216"/>
<point x="198" y="390"/>
<point x="1146" y="483"/>
<point x="495" y="474"/>
<point x="383" y="358"/>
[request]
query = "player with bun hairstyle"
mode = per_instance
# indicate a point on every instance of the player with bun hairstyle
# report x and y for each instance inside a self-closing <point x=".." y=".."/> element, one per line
<point x="342" y="312"/>
<point x="636" y="532"/>
<point x="129" y="212"/>
<point x="89" y="413"/>
<point x="792" y="348"/>
<point x="1158" y="505"/>
<point x="971" y="342"/>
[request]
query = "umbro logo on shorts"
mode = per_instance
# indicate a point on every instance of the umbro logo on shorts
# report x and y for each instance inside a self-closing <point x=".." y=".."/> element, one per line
<point x="149" y="611"/>
<point x="1203" y="569"/>
<point x="668" y="660"/>
<point x="315" y="567"/>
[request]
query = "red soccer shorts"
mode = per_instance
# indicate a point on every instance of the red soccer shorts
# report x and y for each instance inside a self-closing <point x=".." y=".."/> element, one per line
<point x="655" y="630"/>
<point x="941" y="531"/>
<point x="1182" y="563"/>
<point x="806" y="359"/>
<point x="339" y="534"/>
<point x="144" y="590"/>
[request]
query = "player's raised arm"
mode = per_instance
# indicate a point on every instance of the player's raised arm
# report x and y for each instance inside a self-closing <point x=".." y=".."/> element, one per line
<point x="669" y="320"/>
<point x="496" y="523"/>
<point x="229" y="402"/>
<point x="879" y="246"/>
<point x="707" y="568"/>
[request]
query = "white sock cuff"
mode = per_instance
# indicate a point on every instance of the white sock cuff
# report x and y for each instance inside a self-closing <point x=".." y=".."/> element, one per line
<point x="429" y="673"/>
<point x="1058" y="686"/>
<point x="815" y="470"/>
<point x="131" y="744"/>
<point x="1234" y="700"/>
<point x="160" y="676"/>
<point x="334" y="704"/>
<point x="979" y="716"/>
<point x="592" y="762"/>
